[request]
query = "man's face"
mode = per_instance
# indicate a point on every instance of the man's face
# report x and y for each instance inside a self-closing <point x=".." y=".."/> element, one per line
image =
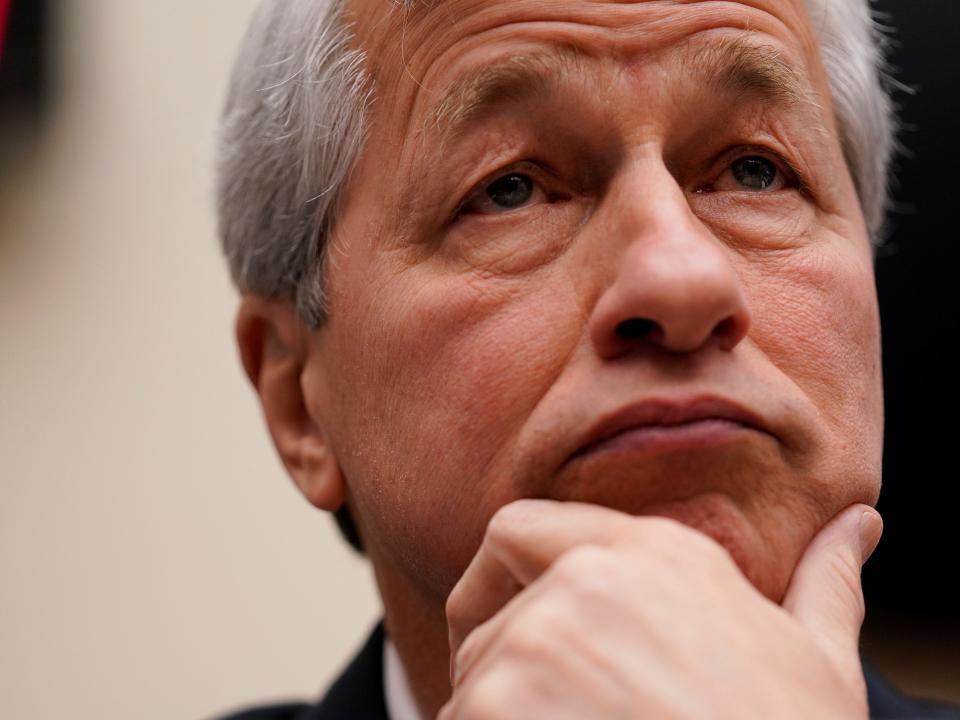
<point x="586" y="217"/>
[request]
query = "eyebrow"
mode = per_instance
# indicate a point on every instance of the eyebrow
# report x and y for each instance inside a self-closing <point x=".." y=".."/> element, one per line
<point x="733" y="67"/>
<point x="511" y="80"/>
<point x="743" y="68"/>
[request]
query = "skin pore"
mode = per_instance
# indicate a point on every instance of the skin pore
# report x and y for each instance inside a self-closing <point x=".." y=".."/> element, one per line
<point x="562" y="209"/>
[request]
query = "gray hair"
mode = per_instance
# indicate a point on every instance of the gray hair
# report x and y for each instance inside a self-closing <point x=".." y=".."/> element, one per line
<point x="294" y="121"/>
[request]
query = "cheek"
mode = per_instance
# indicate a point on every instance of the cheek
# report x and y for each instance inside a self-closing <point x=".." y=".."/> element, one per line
<point x="818" y="323"/>
<point x="443" y="372"/>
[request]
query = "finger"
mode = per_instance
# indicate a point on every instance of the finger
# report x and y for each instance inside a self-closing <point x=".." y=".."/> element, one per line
<point x="522" y="540"/>
<point x="825" y="594"/>
<point x="532" y="623"/>
<point x="483" y="639"/>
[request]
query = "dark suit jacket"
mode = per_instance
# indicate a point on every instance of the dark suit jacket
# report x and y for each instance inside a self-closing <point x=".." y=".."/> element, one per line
<point x="358" y="695"/>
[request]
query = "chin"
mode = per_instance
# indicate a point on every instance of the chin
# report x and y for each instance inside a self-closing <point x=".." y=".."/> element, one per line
<point x="731" y="495"/>
<point x="719" y="517"/>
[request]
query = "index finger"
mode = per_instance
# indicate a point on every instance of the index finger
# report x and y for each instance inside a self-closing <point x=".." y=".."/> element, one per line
<point x="522" y="540"/>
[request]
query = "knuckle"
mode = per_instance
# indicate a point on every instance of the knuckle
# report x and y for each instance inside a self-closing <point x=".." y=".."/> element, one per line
<point x="487" y="697"/>
<point x="506" y="520"/>
<point x="456" y="605"/>
<point x="538" y="632"/>
<point x="465" y="651"/>
<point x="678" y="541"/>
<point x="685" y="538"/>
<point x="587" y="571"/>
<point x="711" y="551"/>
<point x="662" y="527"/>
<point x="654" y="535"/>
<point x="529" y="639"/>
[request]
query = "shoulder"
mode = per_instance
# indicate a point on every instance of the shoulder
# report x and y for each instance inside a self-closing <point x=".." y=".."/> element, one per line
<point x="888" y="703"/>
<point x="356" y="695"/>
<point x="289" y="711"/>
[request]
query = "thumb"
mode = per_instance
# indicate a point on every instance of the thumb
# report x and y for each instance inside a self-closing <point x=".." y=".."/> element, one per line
<point x="825" y="595"/>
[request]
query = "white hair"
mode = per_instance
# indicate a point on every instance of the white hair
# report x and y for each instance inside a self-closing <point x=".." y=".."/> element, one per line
<point x="294" y="124"/>
<point x="290" y="132"/>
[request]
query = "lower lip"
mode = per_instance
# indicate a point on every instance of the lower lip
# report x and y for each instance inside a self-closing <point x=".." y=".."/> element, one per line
<point x="656" y="439"/>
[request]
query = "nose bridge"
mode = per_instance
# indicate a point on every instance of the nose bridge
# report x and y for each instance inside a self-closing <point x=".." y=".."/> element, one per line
<point x="666" y="249"/>
<point x="673" y="282"/>
<point x="646" y="200"/>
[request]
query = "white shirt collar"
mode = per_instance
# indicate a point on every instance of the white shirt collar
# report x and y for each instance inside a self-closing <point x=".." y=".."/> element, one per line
<point x="396" y="687"/>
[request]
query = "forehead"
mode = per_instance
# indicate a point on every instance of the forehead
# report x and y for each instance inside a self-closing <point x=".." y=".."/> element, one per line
<point x="419" y="51"/>
<point x="403" y="37"/>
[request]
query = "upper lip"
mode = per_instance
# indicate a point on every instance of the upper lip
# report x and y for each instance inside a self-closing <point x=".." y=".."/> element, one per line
<point x="663" y="413"/>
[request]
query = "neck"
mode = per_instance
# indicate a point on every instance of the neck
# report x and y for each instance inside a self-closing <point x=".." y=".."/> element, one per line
<point x="417" y="625"/>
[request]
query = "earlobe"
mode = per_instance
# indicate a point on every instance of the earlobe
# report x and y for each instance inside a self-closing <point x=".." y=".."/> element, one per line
<point x="319" y="477"/>
<point x="274" y="349"/>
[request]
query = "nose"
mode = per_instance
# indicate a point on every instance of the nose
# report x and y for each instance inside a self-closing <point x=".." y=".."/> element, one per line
<point x="673" y="283"/>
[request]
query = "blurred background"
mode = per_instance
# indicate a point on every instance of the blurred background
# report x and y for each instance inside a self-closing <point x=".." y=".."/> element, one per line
<point x="155" y="560"/>
<point x="912" y="631"/>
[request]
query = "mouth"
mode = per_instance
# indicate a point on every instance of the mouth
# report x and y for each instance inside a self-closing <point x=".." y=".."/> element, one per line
<point x="653" y="427"/>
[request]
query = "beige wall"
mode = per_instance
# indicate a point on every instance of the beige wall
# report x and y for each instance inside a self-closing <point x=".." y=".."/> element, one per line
<point x="155" y="560"/>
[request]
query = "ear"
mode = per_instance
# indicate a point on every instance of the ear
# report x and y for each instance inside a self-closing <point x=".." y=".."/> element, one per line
<point x="273" y="346"/>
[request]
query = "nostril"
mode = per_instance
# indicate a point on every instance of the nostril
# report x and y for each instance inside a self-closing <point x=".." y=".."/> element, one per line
<point x="635" y="328"/>
<point x="725" y="328"/>
<point x="729" y="331"/>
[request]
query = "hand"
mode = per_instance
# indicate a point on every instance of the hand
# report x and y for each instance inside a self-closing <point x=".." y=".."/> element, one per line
<point x="578" y="611"/>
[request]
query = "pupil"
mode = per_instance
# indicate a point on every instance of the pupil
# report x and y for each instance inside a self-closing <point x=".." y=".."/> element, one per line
<point x="756" y="173"/>
<point x="510" y="191"/>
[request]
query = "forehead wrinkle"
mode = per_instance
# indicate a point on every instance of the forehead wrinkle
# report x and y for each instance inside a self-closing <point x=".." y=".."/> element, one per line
<point x="421" y="21"/>
<point x="399" y="54"/>
<point x="731" y="66"/>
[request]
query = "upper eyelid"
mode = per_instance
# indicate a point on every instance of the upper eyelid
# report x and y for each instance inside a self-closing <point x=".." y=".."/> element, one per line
<point x="521" y="167"/>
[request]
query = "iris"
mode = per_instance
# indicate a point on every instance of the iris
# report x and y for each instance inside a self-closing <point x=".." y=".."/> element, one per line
<point x="510" y="191"/>
<point x="754" y="173"/>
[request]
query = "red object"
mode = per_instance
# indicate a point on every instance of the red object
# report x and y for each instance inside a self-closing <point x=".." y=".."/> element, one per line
<point x="4" y="14"/>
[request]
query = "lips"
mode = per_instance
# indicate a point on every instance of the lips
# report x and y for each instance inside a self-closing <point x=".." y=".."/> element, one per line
<point x="669" y="424"/>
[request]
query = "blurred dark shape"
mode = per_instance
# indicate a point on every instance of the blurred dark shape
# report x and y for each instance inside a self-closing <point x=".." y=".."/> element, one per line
<point x="24" y="59"/>
<point x="913" y="572"/>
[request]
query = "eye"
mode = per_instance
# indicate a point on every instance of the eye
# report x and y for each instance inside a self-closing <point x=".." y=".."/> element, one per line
<point x="752" y="173"/>
<point x="509" y="191"/>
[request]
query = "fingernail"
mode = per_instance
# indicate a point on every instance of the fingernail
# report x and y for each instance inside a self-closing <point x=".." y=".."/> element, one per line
<point x="871" y="528"/>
